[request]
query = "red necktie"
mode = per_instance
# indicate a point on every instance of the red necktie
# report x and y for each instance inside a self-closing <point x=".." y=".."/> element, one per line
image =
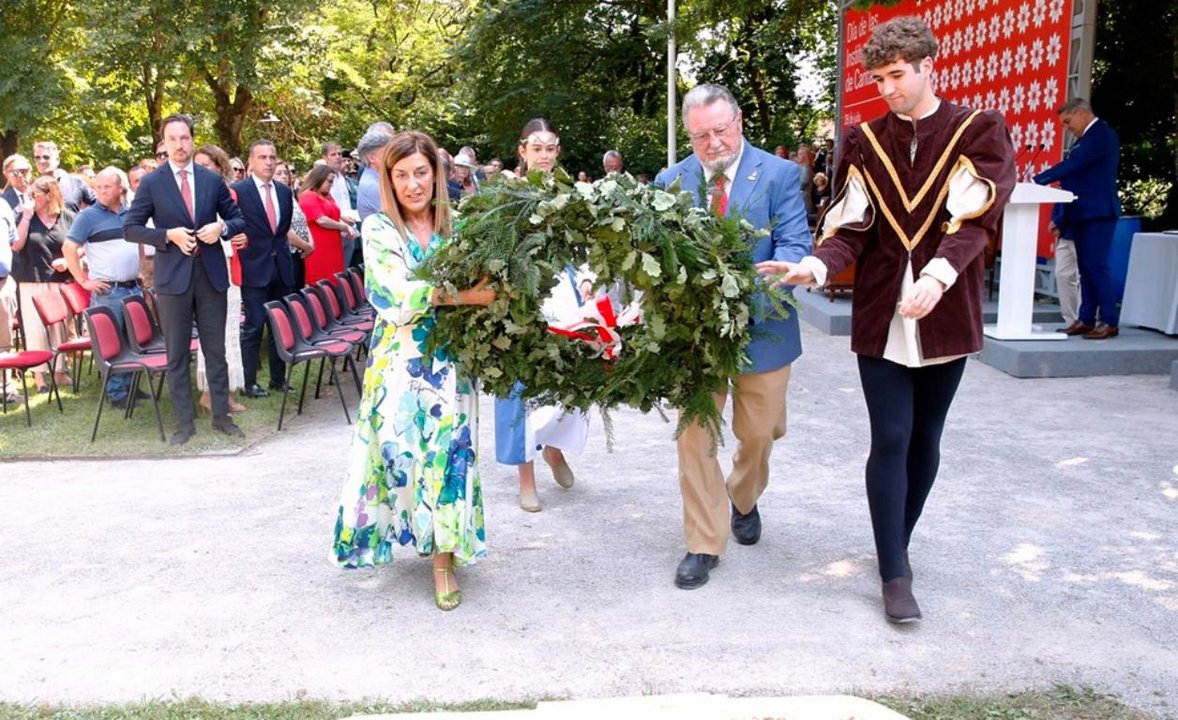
<point x="186" y="193"/>
<point x="719" y="197"/>
<point x="271" y="213"/>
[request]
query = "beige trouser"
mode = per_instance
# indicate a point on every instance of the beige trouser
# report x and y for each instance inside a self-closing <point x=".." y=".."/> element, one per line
<point x="36" y="336"/>
<point x="1067" y="280"/>
<point x="7" y="311"/>
<point x="758" y="419"/>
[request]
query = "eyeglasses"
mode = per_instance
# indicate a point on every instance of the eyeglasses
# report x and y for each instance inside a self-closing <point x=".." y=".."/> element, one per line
<point x="162" y="155"/>
<point x="20" y="171"/>
<point x="238" y="169"/>
<point x="42" y="157"/>
<point x="717" y="131"/>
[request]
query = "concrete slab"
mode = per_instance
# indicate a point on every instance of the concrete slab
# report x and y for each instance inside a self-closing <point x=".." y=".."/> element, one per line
<point x="1174" y="376"/>
<point x="692" y="706"/>
<point x="833" y="317"/>
<point x="1134" y="352"/>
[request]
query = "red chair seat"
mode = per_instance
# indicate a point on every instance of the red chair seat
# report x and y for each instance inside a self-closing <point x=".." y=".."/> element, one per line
<point x="24" y="359"/>
<point x="156" y="361"/>
<point x="74" y="345"/>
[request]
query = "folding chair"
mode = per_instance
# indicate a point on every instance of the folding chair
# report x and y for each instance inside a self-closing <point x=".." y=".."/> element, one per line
<point x="306" y="328"/>
<point x="53" y="311"/>
<point x="23" y="361"/>
<point x="114" y="357"/>
<point x="294" y="349"/>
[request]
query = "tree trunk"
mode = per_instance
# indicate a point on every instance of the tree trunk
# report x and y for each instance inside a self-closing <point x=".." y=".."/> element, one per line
<point x="9" y="143"/>
<point x="230" y="112"/>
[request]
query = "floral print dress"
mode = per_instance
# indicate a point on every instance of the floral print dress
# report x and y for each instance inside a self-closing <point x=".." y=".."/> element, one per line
<point x="412" y="476"/>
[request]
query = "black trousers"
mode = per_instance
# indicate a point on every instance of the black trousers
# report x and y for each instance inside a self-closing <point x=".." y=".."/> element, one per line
<point x="207" y="305"/>
<point x="253" y="304"/>
<point x="907" y="409"/>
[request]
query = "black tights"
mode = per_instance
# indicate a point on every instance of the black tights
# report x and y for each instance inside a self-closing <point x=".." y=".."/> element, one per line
<point x="907" y="409"/>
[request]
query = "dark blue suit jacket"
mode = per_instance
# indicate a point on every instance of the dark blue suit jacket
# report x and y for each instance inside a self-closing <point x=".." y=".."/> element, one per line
<point x="1089" y="171"/>
<point x="767" y="193"/>
<point x="158" y="199"/>
<point x="265" y="247"/>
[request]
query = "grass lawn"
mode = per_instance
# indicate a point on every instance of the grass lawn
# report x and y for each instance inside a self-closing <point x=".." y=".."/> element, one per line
<point x="1059" y="703"/>
<point x="65" y="435"/>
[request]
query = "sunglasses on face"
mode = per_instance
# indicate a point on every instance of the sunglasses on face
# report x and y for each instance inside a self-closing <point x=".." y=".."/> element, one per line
<point x="42" y="157"/>
<point x="19" y="171"/>
<point x="162" y="154"/>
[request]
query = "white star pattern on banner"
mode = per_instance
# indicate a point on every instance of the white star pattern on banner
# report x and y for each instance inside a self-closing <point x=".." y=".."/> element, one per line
<point x="1054" y="47"/>
<point x="1048" y="138"/>
<point x="967" y="73"/>
<point x="1050" y="93"/>
<point x="1016" y="134"/>
<point x="995" y="28"/>
<point x="991" y="100"/>
<point x="1056" y="10"/>
<point x="1019" y="99"/>
<point x="1039" y="15"/>
<point x="1004" y="100"/>
<point x="1034" y="95"/>
<point x="992" y="66"/>
<point x="1032" y="136"/>
<point x="967" y="39"/>
<point x="1036" y="53"/>
<point x="970" y="6"/>
<point x="1007" y="57"/>
<point x="1008" y="24"/>
<point x="1020" y="59"/>
<point x="1024" y="17"/>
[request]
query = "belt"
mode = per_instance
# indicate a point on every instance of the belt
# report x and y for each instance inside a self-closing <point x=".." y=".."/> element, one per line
<point x="122" y="283"/>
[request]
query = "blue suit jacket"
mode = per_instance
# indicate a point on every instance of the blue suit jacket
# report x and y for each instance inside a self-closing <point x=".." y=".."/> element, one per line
<point x="767" y="193"/>
<point x="158" y="199"/>
<point x="1089" y="171"/>
<point x="265" y="247"/>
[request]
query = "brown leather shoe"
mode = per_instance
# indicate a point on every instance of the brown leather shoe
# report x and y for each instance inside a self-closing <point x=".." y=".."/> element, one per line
<point x="1102" y="332"/>
<point x="1077" y="328"/>
<point x="899" y="603"/>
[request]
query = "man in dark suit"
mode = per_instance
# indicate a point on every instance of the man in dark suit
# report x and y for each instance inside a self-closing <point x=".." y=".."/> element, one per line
<point x="1089" y="171"/>
<point x="732" y="176"/>
<point x="18" y="174"/>
<point x="184" y="201"/>
<point x="266" y="269"/>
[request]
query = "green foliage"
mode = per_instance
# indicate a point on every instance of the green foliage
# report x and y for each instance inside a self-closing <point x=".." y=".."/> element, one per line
<point x="692" y="272"/>
<point x="1146" y="197"/>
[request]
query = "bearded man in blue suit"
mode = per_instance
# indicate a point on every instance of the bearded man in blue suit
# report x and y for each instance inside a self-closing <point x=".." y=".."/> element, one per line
<point x="734" y="178"/>
<point x="183" y="211"/>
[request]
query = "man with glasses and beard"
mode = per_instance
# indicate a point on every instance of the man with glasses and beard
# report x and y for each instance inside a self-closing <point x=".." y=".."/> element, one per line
<point x="18" y="174"/>
<point x="735" y="178"/>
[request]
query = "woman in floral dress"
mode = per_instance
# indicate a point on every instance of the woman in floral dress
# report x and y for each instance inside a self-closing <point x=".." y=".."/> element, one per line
<point x="412" y="475"/>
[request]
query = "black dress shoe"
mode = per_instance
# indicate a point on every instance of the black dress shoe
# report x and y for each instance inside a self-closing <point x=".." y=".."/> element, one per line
<point x="255" y="391"/>
<point x="182" y="435"/>
<point x="746" y="528"/>
<point x="280" y="387"/>
<point x="225" y="424"/>
<point x="693" y="570"/>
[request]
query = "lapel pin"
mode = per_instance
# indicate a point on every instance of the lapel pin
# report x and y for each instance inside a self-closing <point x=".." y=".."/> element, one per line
<point x="753" y="177"/>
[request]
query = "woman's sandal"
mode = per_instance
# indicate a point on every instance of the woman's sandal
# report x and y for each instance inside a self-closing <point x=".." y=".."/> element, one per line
<point x="447" y="600"/>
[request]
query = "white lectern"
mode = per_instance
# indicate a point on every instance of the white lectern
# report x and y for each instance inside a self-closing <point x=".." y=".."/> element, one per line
<point x="1016" y="279"/>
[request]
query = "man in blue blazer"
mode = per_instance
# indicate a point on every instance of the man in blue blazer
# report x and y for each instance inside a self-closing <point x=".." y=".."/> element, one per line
<point x="184" y="200"/>
<point x="733" y="177"/>
<point x="1089" y="171"/>
<point x="267" y="272"/>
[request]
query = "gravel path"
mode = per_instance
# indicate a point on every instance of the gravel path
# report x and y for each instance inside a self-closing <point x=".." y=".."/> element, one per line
<point x="1048" y="554"/>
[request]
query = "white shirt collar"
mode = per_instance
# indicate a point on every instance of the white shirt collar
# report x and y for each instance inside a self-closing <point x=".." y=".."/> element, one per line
<point x="1089" y="126"/>
<point x="936" y="106"/>
<point x="176" y="168"/>
<point x="262" y="183"/>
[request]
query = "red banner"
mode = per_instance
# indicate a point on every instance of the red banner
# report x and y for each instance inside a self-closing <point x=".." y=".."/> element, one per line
<point x="1004" y="55"/>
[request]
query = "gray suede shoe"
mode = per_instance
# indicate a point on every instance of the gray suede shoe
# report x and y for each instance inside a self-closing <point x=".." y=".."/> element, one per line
<point x="899" y="603"/>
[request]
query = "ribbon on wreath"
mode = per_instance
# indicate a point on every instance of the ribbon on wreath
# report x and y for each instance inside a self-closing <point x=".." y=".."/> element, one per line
<point x="599" y="327"/>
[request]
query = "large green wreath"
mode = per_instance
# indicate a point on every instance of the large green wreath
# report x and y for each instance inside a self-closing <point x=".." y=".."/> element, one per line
<point x="694" y="271"/>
